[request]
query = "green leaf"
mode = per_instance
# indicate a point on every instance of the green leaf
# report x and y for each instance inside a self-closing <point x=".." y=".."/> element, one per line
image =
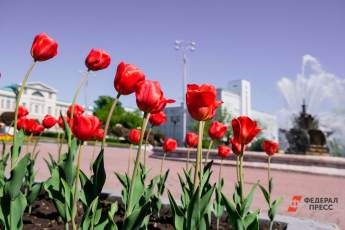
<point x="250" y="218"/>
<point x="99" y="175"/>
<point x="15" y="182"/>
<point x="233" y="215"/>
<point x="248" y="200"/>
<point x="270" y="185"/>
<point x="178" y="215"/>
<point x="266" y="194"/>
<point x="135" y="220"/>
<point x="275" y="204"/>
<point x="18" y="142"/>
<point x="34" y="192"/>
<point x="17" y="211"/>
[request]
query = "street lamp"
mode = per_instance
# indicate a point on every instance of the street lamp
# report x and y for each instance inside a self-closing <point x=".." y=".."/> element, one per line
<point x="184" y="47"/>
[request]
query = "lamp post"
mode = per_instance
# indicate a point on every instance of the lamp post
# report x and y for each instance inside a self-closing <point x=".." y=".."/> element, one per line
<point x="184" y="47"/>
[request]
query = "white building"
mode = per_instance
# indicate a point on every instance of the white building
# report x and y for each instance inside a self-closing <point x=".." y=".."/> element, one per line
<point x="37" y="97"/>
<point x="236" y="102"/>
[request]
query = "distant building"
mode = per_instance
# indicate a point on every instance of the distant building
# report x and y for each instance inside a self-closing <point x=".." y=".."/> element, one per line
<point x="236" y="99"/>
<point x="40" y="99"/>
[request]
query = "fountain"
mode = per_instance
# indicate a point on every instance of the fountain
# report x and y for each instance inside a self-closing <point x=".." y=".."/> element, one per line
<point x="324" y="93"/>
<point x="305" y="137"/>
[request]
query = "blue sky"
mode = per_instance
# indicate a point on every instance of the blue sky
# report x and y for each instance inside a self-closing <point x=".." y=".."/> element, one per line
<point x="261" y="41"/>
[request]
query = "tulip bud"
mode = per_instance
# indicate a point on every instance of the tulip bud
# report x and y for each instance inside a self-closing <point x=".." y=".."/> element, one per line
<point x="127" y="78"/>
<point x="270" y="147"/>
<point x="97" y="59"/>
<point x="48" y="121"/>
<point x="217" y="130"/>
<point x="191" y="139"/>
<point x="43" y="48"/>
<point x="134" y="136"/>
<point x="169" y="145"/>
<point x="158" y="119"/>
<point x="224" y="151"/>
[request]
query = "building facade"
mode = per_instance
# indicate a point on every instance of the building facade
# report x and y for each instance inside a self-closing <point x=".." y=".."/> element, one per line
<point x="236" y="102"/>
<point x="40" y="99"/>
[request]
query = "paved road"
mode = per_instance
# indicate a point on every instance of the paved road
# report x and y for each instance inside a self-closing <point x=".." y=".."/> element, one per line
<point x="286" y="184"/>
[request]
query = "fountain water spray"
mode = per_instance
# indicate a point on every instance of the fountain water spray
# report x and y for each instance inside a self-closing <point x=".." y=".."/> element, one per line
<point x="324" y="94"/>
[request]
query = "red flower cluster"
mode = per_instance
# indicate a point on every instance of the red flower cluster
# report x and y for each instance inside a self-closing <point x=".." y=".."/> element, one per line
<point x="217" y="130"/>
<point x="169" y="145"/>
<point x="158" y="119"/>
<point x="97" y="60"/>
<point x="201" y="101"/>
<point x="224" y="151"/>
<point x="43" y="48"/>
<point x="270" y="147"/>
<point x="191" y="139"/>
<point x="134" y="136"/>
<point x="127" y="77"/>
<point x="29" y="125"/>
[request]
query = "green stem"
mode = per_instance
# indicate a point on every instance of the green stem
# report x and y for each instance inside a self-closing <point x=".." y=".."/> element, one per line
<point x="241" y="175"/>
<point x="146" y="141"/>
<point x="162" y="162"/>
<point x="66" y="226"/>
<point x="208" y="151"/>
<point x="137" y="161"/>
<point x="237" y="170"/>
<point x="74" y="100"/>
<point x="20" y="92"/>
<point x="76" y="184"/>
<point x="110" y="114"/>
<point x="198" y="156"/>
<point x="93" y="155"/>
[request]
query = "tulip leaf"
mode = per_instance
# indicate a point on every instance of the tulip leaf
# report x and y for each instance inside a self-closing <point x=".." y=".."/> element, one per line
<point x="178" y="215"/>
<point x="265" y="193"/>
<point x="34" y="192"/>
<point x="275" y="204"/>
<point x="99" y="175"/>
<point x="15" y="182"/>
<point x="250" y="218"/>
<point x="18" y="142"/>
<point x="233" y="215"/>
<point x="134" y="220"/>
<point x="248" y="200"/>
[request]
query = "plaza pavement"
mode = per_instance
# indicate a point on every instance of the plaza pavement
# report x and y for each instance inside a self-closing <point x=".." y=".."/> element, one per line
<point x="286" y="183"/>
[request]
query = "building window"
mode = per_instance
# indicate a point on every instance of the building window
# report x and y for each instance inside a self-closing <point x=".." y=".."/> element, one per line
<point x="2" y="103"/>
<point x="36" y="108"/>
<point x="8" y="103"/>
<point x="37" y="93"/>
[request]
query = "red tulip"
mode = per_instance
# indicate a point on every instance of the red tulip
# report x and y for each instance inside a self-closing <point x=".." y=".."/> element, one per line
<point x="29" y="125"/>
<point x="85" y="127"/>
<point x="150" y="98"/>
<point x="245" y="129"/>
<point x="99" y="134"/>
<point x="134" y="136"/>
<point x="201" y="101"/>
<point x="217" y="130"/>
<point x="127" y="78"/>
<point x="169" y="145"/>
<point x="78" y="110"/>
<point x="224" y="151"/>
<point x="270" y="147"/>
<point x="191" y="139"/>
<point x="22" y="111"/>
<point x="236" y="147"/>
<point x="43" y="48"/>
<point x="97" y="59"/>
<point x="158" y="119"/>
<point x="48" y="121"/>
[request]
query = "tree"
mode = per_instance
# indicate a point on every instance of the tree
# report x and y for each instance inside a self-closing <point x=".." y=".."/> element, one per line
<point x="120" y="116"/>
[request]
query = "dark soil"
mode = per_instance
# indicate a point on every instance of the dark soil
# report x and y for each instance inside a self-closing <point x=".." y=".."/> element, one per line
<point x="45" y="216"/>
